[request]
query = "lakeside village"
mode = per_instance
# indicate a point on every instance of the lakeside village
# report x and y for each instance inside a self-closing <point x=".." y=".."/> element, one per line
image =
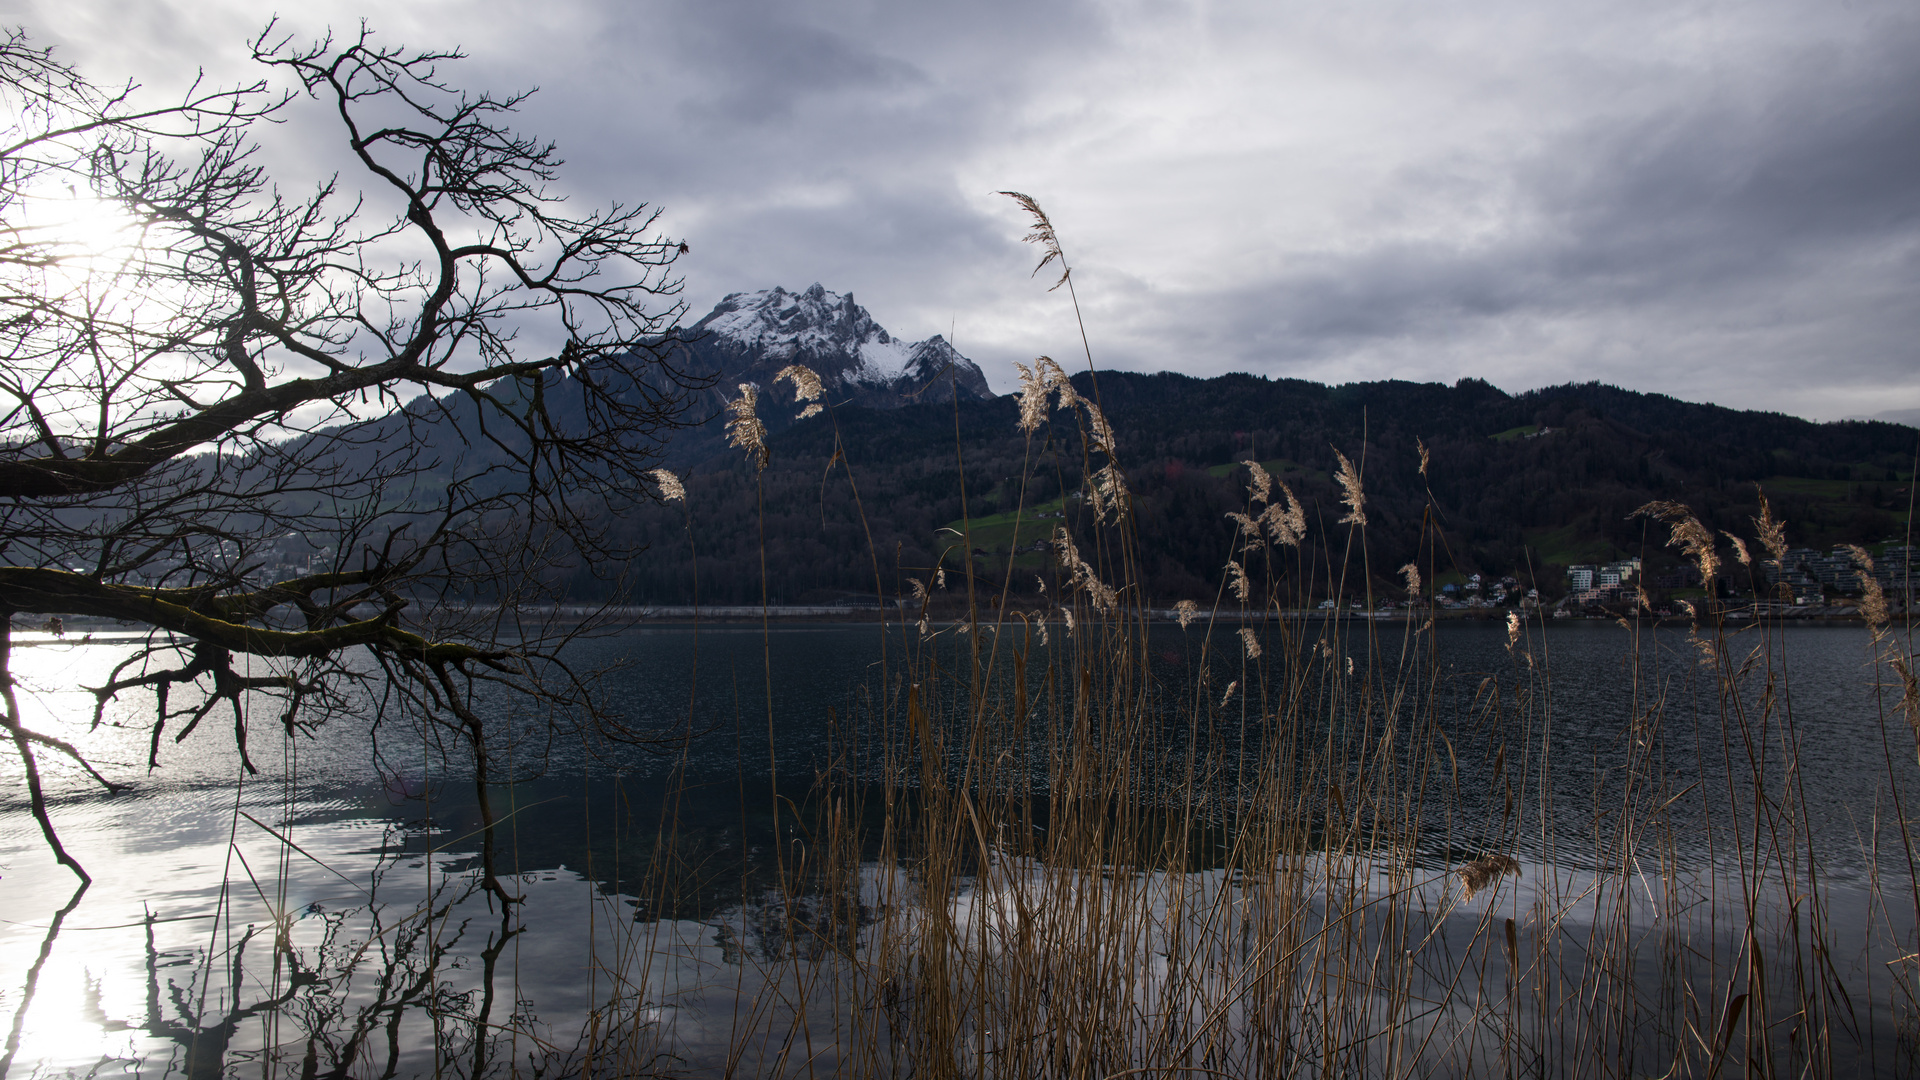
<point x="1807" y="583"/>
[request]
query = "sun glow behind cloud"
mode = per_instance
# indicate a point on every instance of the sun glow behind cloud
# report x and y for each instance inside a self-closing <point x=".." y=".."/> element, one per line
<point x="80" y="241"/>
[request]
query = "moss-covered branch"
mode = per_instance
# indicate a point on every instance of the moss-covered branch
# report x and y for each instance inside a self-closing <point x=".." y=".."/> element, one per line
<point x="213" y="618"/>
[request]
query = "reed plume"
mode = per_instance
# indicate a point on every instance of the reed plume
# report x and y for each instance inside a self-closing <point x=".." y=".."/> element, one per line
<point x="1109" y="493"/>
<point x="1186" y="611"/>
<point x="1773" y="534"/>
<point x="1739" y="548"/>
<point x="1251" y="642"/>
<point x="671" y="490"/>
<point x="1351" y="495"/>
<point x="1250" y="527"/>
<point x="1412" y="573"/>
<point x="1055" y="379"/>
<point x="1102" y="432"/>
<point x="1238" y="580"/>
<point x="1909" y="704"/>
<point x="1032" y="396"/>
<point x="806" y="387"/>
<point x="745" y="429"/>
<point x="1261" y="484"/>
<point x="1043" y="235"/>
<point x="1286" y="524"/>
<point x="1103" y="598"/>
<point x="1686" y="533"/>
<point x="1873" y="601"/>
<point x="1484" y="871"/>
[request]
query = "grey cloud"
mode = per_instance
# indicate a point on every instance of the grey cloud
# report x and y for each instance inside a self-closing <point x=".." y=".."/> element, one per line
<point x="1736" y="218"/>
<point x="1765" y="232"/>
<point x="757" y="66"/>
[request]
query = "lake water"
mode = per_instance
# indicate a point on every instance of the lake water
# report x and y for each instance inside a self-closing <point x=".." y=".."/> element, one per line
<point x="358" y="855"/>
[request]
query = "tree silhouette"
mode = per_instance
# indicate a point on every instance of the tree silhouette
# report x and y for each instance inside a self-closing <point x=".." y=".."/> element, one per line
<point x="335" y="448"/>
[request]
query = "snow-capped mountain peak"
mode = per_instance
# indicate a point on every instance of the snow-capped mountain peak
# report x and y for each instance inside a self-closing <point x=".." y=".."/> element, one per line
<point x="836" y="337"/>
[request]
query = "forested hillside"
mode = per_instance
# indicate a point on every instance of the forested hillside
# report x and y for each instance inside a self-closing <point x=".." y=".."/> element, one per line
<point x="1522" y="484"/>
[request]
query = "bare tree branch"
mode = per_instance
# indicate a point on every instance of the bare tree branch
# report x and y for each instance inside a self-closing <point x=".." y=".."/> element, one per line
<point x="288" y="431"/>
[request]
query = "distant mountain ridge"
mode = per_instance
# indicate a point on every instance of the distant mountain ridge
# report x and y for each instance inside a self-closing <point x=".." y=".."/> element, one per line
<point x="1460" y="478"/>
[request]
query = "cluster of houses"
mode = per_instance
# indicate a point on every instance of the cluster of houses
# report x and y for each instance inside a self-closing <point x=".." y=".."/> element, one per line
<point x="1598" y="583"/>
<point x="1485" y="592"/>
<point x="1807" y="572"/>
<point x="1804" y="577"/>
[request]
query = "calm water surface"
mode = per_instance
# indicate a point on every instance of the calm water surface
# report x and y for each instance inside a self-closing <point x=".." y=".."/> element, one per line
<point x="166" y="964"/>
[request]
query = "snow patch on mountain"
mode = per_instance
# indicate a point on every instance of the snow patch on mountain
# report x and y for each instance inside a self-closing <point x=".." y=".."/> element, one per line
<point x="884" y="359"/>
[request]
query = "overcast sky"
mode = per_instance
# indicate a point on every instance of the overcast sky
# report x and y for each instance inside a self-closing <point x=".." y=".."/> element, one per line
<point x="1719" y="202"/>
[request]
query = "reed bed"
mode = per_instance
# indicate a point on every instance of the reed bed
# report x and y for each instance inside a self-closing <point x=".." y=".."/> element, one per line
<point x="1314" y="854"/>
<point x="1311" y="849"/>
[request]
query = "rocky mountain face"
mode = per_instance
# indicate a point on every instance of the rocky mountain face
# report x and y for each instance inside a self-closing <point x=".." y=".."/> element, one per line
<point x="750" y="336"/>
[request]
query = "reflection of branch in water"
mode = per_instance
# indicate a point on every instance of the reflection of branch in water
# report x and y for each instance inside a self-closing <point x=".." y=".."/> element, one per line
<point x="206" y="1044"/>
<point x="404" y="959"/>
<point x="382" y="987"/>
<point x="337" y="1033"/>
<point x="33" y="979"/>
<point x="489" y="960"/>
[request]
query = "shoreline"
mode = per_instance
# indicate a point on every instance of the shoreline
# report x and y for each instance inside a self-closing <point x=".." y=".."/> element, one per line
<point x="92" y="631"/>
